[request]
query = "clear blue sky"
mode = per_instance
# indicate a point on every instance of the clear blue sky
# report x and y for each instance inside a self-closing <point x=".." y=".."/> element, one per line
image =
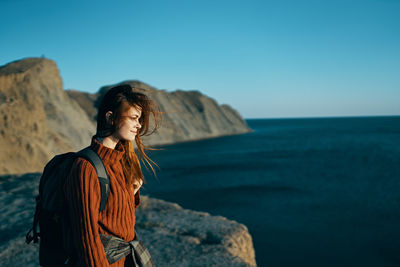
<point x="267" y="59"/>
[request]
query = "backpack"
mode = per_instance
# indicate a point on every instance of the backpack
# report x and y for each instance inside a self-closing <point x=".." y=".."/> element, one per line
<point x="55" y="247"/>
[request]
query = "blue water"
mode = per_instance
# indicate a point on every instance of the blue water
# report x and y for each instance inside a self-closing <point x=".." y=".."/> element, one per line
<point x="312" y="192"/>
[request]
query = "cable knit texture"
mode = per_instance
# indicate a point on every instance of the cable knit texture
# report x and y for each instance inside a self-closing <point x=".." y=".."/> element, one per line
<point x="82" y="190"/>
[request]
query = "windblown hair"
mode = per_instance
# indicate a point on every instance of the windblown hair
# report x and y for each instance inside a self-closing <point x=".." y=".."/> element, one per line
<point x="115" y="100"/>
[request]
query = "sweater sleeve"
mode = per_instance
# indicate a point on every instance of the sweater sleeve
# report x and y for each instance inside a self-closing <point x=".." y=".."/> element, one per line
<point x="82" y="190"/>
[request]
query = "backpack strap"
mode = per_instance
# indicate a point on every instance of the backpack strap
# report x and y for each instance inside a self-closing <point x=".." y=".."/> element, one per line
<point x="104" y="180"/>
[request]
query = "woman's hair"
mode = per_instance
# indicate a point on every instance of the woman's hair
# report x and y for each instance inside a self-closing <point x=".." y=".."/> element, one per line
<point x="115" y="100"/>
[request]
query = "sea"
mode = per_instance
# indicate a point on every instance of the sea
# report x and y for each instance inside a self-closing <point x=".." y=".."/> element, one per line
<point x="311" y="191"/>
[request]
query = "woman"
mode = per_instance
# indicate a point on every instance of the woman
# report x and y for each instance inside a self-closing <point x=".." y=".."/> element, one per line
<point x="123" y="116"/>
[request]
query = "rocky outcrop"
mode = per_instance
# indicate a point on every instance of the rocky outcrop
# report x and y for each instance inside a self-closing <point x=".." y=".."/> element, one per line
<point x="180" y="237"/>
<point x="173" y="235"/>
<point x="39" y="119"/>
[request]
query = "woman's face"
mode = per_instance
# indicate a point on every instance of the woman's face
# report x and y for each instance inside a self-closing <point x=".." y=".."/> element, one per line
<point x="129" y="125"/>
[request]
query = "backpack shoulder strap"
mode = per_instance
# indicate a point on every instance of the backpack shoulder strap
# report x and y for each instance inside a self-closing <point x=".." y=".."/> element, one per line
<point x="104" y="180"/>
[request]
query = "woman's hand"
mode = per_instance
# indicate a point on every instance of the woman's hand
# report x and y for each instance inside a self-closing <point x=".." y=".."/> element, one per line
<point x="137" y="185"/>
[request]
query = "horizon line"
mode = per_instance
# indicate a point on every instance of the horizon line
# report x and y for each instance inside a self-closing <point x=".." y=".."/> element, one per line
<point x="322" y="117"/>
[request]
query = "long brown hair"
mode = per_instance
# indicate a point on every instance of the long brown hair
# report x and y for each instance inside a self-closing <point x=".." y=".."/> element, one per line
<point x="114" y="101"/>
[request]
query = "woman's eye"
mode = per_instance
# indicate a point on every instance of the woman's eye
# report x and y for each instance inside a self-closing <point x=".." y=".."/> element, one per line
<point x="132" y="118"/>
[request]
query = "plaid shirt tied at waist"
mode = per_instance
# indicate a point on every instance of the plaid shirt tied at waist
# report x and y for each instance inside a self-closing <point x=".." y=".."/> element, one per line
<point x="117" y="248"/>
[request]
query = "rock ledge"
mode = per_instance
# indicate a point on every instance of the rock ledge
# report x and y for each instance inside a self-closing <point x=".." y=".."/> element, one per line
<point x="181" y="237"/>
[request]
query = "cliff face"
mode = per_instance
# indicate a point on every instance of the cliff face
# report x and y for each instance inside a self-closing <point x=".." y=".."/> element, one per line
<point x="38" y="119"/>
<point x="173" y="235"/>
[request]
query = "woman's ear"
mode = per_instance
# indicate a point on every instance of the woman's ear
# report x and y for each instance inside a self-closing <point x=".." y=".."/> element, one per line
<point x="109" y="117"/>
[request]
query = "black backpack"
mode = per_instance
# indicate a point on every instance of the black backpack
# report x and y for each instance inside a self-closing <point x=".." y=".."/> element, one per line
<point x="55" y="248"/>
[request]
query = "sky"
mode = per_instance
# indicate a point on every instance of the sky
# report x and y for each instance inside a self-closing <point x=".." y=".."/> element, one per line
<point x="266" y="59"/>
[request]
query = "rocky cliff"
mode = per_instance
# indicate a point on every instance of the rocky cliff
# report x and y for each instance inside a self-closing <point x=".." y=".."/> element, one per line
<point x="39" y="119"/>
<point x="173" y="235"/>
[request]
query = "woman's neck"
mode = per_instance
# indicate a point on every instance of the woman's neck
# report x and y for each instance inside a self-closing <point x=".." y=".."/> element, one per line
<point x="108" y="141"/>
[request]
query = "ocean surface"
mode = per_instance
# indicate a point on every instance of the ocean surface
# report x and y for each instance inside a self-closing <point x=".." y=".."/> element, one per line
<point x="312" y="192"/>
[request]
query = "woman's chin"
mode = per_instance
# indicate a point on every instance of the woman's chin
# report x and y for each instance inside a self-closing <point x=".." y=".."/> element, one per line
<point x="132" y="137"/>
<point x="129" y="137"/>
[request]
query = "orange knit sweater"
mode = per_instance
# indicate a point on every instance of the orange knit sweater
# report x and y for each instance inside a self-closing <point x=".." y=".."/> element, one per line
<point x="82" y="191"/>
